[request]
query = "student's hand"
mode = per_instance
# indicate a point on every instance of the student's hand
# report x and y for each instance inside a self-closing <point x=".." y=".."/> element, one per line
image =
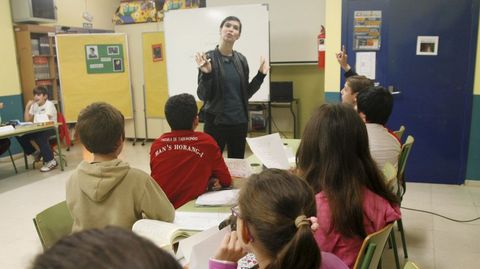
<point x="30" y="103"/>
<point x="264" y="66"/>
<point x="214" y="184"/>
<point x="1" y="105"/>
<point x="230" y="249"/>
<point x="203" y="63"/>
<point x="342" y="59"/>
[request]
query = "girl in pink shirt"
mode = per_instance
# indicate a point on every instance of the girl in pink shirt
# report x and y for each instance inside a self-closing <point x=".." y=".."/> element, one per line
<point x="352" y="198"/>
<point x="274" y="222"/>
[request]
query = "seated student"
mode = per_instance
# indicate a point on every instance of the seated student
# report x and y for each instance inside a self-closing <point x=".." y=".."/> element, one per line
<point x="40" y="109"/>
<point x="353" y="83"/>
<point x="352" y="198"/>
<point x="108" y="191"/>
<point x="107" y="248"/>
<point x="183" y="161"/>
<point x="375" y="106"/>
<point x="275" y="222"/>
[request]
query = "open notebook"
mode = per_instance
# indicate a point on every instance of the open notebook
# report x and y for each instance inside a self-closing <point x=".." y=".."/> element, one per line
<point x="163" y="234"/>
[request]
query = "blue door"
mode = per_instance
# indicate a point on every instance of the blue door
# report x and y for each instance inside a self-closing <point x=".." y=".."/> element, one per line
<point x="435" y="98"/>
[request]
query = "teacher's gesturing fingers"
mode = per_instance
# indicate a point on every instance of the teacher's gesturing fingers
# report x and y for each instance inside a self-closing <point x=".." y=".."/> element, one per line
<point x="203" y="62"/>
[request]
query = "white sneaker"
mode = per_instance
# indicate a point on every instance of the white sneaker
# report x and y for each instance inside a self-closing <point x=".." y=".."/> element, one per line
<point x="49" y="166"/>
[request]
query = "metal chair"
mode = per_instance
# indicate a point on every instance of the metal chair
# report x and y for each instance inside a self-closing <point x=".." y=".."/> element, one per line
<point x="399" y="132"/>
<point x="53" y="223"/>
<point x="5" y="146"/>
<point x="371" y="251"/>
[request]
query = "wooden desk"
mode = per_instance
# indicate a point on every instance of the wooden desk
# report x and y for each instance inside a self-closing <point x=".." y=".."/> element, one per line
<point x="35" y="128"/>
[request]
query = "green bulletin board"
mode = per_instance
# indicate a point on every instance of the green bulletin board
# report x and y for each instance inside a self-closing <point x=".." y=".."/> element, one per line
<point x="104" y="58"/>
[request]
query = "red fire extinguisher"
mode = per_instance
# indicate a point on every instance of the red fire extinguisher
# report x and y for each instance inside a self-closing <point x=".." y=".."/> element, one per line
<point x="321" y="48"/>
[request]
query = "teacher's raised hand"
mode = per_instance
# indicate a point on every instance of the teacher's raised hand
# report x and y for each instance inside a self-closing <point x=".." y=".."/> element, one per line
<point x="203" y="62"/>
<point x="264" y="66"/>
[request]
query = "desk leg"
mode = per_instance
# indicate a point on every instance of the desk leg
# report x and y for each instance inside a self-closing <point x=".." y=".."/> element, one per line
<point x="294" y="121"/>
<point x="26" y="161"/>
<point x="59" y="148"/>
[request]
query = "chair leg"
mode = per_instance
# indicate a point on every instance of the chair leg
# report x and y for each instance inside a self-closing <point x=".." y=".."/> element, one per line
<point x="26" y="161"/>
<point x="395" y="250"/>
<point x="402" y="234"/>
<point x="13" y="162"/>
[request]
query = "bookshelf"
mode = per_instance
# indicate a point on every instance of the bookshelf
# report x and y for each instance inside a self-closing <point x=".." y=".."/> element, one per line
<point x="37" y="60"/>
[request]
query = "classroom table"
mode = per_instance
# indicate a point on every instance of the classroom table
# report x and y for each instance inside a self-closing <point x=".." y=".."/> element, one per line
<point x="35" y="128"/>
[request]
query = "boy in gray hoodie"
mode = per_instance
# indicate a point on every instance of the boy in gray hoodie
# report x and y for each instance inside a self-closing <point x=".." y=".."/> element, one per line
<point x="108" y="191"/>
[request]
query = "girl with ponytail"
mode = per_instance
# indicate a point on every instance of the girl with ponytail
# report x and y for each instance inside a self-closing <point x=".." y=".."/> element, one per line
<point x="275" y="221"/>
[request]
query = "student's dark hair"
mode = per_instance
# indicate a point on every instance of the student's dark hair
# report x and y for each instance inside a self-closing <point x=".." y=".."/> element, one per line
<point x="334" y="157"/>
<point x="180" y="111"/>
<point x="359" y="83"/>
<point x="106" y="248"/>
<point x="270" y="203"/>
<point x="100" y="126"/>
<point x="376" y="103"/>
<point x="40" y="90"/>
<point x="232" y="18"/>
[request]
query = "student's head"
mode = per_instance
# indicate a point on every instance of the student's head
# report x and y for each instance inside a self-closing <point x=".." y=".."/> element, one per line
<point x="40" y="94"/>
<point x="230" y="28"/>
<point x="181" y="112"/>
<point x="103" y="249"/>
<point x="334" y="157"/>
<point x="273" y="210"/>
<point x="375" y="105"/>
<point x="100" y="127"/>
<point x="92" y="50"/>
<point x="353" y="85"/>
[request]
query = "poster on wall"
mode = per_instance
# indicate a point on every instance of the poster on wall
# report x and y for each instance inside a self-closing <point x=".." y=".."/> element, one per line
<point x="366" y="29"/>
<point x="427" y="45"/>
<point x="104" y="58"/>
<point x="157" y="54"/>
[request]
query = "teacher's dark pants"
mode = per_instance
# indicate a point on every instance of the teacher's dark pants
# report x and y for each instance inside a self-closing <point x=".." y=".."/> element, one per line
<point x="233" y="136"/>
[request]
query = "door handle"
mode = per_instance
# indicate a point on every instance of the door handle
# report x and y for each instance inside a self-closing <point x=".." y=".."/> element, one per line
<point x="393" y="90"/>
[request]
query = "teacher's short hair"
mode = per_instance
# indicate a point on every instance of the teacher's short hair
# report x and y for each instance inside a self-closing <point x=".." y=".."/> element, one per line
<point x="232" y="18"/>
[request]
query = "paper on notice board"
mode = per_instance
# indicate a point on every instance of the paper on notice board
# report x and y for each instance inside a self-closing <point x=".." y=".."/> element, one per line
<point x="366" y="64"/>
<point x="269" y="150"/>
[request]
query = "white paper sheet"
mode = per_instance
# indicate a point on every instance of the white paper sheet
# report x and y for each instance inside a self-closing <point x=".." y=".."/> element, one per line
<point x="366" y="64"/>
<point x="185" y="246"/>
<point x="198" y="221"/>
<point x="6" y="128"/>
<point x="204" y="250"/>
<point x="269" y="150"/>
<point x="218" y="198"/>
<point x="238" y="167"/>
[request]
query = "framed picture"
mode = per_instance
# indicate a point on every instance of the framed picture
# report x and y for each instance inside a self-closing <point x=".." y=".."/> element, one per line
<point x="157" y="53"/>
<point x="427" y="45"/>
<point x="113" y="50"/>
<point x="91" y="51"/>
<point x="117" y="65"/>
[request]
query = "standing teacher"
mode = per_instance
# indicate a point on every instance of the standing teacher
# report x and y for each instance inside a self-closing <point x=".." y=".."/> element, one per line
<point x="224" y="88"/>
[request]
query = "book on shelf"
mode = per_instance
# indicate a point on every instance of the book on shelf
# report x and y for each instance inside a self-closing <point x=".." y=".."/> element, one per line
<point x="35" y="46"/>
<point x="44" y="45"/>
<point x="41" y="68"/>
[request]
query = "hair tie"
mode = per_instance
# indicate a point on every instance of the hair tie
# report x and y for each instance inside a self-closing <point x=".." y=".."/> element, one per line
<point x="301" y="220"/>
<point x="311" y="221"/>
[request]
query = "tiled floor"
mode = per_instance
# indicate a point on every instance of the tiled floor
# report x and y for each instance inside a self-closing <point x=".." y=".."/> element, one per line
<point x="433" y="242"/>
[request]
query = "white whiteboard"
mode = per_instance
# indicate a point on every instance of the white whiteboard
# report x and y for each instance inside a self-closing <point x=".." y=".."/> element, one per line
<point x="188" y="31"/>
<point x="294" y="27"/>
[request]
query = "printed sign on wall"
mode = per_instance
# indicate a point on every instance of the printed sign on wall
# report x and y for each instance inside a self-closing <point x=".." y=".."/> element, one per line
<point x="104" y="58"/>
<point x="366" y="30"/>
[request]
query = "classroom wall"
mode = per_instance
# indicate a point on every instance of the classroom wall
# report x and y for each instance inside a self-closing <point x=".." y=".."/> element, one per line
<point x="333" y="25"/>
<point x="308" y="88"/>
<point x="69" y="13"/>
<point x="473" y="163"/>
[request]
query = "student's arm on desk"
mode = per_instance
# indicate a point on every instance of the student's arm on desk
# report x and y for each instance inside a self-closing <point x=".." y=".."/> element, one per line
<point x="220" y="170"/>
<point x="155" y="204"/>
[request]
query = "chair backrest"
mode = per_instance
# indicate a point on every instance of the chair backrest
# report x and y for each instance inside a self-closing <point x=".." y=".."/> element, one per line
<point x="410" y="265"/>
<point x="389" y="173"/>
<point x="53" y="223"/>
<point x="63" y="129"/>
<point x="399" y="132"/>
<point x="372" y="249"/>
<point x="402" y="161"/>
